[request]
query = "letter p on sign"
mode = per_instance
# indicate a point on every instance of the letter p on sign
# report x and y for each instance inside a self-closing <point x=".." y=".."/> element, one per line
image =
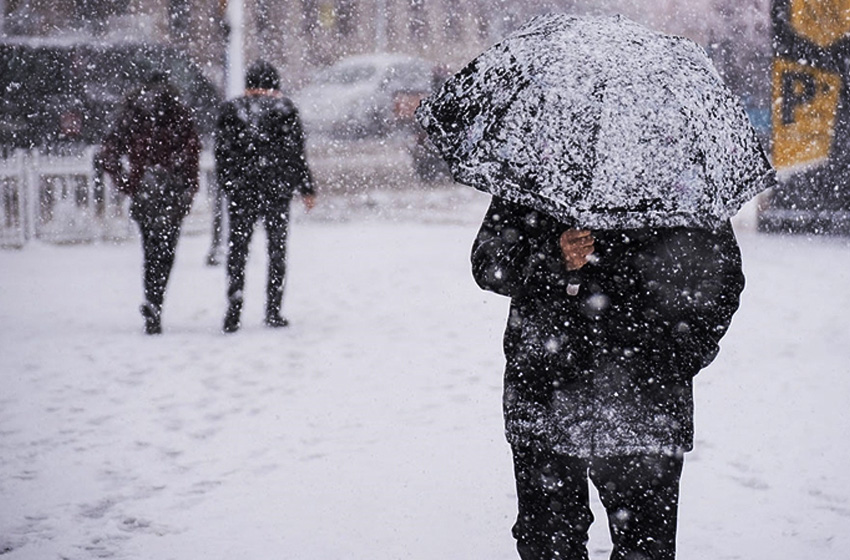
<point x="804" y="110"/>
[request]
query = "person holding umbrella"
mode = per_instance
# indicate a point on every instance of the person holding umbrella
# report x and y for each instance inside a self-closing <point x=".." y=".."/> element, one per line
<point x="615" y="156"/>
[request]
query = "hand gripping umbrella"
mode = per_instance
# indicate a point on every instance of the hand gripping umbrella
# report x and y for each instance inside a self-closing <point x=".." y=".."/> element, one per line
<point x="601" y="124"/>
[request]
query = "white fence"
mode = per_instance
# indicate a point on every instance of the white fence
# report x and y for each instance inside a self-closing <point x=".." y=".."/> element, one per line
<point x="60" y="199"/>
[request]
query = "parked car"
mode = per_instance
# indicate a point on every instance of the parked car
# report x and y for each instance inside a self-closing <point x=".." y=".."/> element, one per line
<point x="365" y="95"/>
<point x="53" y="94"/>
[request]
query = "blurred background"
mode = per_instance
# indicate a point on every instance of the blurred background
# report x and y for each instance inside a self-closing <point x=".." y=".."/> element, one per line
<point x="304" y="36"/>
<point x="357" y="70"/>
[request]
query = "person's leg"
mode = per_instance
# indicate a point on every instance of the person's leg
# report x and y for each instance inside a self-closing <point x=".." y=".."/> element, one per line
<point x="159" y="245"/>
<point x="218" y="202"/>
<point x="554" y="508"/>
<point x="277" y="225"/>
<point x="241" y="231"/>
<point x="641" y="497"/>
<point x="151" y="309"/>
<point x="167" y="239"/>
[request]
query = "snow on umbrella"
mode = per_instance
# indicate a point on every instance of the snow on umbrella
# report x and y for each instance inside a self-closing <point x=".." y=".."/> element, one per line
<point x="600" y="123"/>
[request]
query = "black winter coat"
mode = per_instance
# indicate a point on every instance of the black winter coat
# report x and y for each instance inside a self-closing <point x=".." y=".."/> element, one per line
<point x="259" y="150"/>
<point x="157" y="133"/>
<point x="607" y="371"/>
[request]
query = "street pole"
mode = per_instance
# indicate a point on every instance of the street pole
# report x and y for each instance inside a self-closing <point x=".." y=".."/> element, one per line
<point x="235" y="48"/>
<point x="380" y="25"/>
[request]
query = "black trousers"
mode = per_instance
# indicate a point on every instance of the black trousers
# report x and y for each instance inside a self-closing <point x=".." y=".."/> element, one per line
<point x="218" y="199"/>
<point x="640" y="494"/>
<point x="159" y="245"/>
<point x="276" y="223"/>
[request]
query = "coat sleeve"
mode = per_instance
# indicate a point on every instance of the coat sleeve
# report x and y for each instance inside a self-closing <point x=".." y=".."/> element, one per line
<point x="516" y="252"/>
<point x="225" y="150"/>
<point x="115" y="145"/>
<point x="693" y="282"/>
<point x="193" y="162"/>
<point x="188" y="159"/>
<point x="305" y="177"/>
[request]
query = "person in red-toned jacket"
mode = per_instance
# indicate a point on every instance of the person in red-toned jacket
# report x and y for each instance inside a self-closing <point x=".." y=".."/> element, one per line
<point x="156" y="132"/>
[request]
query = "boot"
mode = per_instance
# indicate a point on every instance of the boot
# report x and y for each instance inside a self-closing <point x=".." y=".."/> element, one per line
<point x="232" y="318"/>
<point x="275" y="320"/>
<point x="273" y="316"/>
<point x="214" y="257"/>
<point x="152" y="314"/>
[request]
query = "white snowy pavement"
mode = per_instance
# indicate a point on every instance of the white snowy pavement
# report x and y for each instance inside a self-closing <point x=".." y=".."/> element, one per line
<point x="371" y="429"/>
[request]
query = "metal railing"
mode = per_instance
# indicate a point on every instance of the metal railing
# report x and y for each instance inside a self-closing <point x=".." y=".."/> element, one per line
<point x="61" y="199"/>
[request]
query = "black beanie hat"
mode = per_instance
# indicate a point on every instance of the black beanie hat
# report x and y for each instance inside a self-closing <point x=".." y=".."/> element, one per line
<point x="262" y="75"/>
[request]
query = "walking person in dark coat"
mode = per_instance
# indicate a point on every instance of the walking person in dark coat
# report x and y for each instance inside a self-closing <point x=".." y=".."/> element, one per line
<point x="261" y="163"/>
<point x="606" y="331"/>
<point x="158" y="135"/>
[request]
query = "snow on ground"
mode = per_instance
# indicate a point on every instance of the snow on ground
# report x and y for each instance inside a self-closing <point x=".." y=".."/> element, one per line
<point x="371" y="428"/>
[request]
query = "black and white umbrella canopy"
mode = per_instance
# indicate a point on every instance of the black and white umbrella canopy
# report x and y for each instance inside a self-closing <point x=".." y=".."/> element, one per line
<point x="600" y="123"/>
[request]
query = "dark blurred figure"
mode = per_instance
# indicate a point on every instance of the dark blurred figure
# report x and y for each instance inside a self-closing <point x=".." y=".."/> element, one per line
<point x="158" y="135"/>
<point x="599" y="373"/>
<point x="214" y="254"/>
<point x="260" y="163"/>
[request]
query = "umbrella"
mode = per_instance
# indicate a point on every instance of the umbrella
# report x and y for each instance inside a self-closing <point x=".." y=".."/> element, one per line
<point x="600" y="123"/>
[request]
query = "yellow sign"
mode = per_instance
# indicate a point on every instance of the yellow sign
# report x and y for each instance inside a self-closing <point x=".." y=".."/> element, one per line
<point x="327" y="15"/>
<point x="804" y="109"/>
<point x="822" y="22"/>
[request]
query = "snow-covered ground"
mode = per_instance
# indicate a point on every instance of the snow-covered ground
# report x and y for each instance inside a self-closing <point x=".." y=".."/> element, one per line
<point x="371" y="428"/>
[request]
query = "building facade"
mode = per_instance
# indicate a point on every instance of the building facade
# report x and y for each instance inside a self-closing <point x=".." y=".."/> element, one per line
<point x="301" y="36"/>
<point x="298" y="36"/>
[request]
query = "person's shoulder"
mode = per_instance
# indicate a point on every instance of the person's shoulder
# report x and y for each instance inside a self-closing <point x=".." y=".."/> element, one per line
<point x="286" y="101"/>
<point x="284" y="105"/>
<point x="694" y="240"/>
<point x="230" y="104"/>
<point x="503" y="209"/>
<point x="719" y="230"/>
<point x="228" y="111"/>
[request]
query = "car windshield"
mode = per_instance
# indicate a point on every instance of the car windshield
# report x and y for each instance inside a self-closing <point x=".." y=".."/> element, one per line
<point x="346" y="75"/>
<point x="34" y="73"/>
<point x="412" y="76"/>
<point x="127" y="69"/>
<point x="124" y="75"/>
